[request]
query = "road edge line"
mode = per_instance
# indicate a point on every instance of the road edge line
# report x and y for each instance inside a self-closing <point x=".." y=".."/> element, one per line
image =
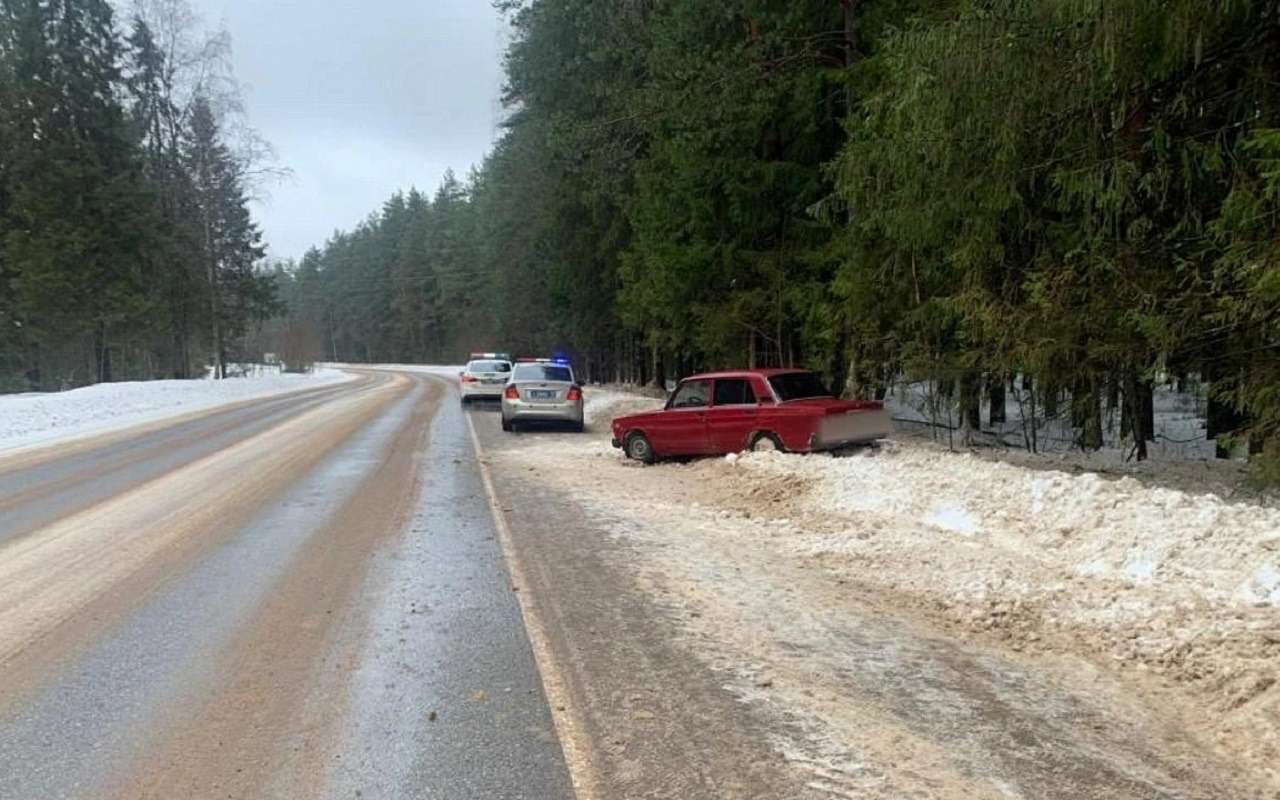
<point x="574" y="743"/>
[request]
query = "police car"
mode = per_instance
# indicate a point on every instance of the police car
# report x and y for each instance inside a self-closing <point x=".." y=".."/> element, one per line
<point x="485" y="376"/>
<point x="542" y="390"/>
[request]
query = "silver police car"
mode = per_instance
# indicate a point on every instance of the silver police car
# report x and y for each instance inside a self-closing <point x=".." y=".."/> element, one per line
<point x="542" y="390"/>
<point x="484" y="376"/>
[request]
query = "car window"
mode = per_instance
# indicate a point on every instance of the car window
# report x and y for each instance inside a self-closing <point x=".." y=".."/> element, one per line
<point x="488" y="366"/>
<point x="734" y="392"/>
<point x="798" y="386"/>
<point x="692" y="394"/>
<point x="542" y="372"/>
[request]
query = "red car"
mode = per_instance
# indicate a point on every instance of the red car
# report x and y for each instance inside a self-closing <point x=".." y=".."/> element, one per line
<point x="759" y="409"/>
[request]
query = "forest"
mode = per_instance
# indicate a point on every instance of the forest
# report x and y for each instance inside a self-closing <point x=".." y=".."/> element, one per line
<point x="1074" y="200"/>
<point x="127" y="249"/>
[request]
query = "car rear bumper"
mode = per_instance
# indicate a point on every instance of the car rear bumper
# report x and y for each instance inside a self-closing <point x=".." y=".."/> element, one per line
<point x="485" y="390"/>
<point x="854" y="427"/>
<point x="519" y="410"/>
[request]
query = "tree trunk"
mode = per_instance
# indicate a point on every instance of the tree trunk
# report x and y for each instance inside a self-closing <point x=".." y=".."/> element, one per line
<point x="1137" y="394"/>
<point x="1086" y="413"/>
<point x="1222" y="421"/>
<point x="1147" y="412"/>
<point x="971" y="403"/>
<point x="102" y="354"/>
<point x="995" y="391"/>
<point x="839" y="364"/>
<point x="215" y="305"/>
<point x="1049" y="400"/>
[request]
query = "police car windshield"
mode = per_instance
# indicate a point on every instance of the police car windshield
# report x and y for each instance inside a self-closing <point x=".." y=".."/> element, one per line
<point x="542" y="372"/>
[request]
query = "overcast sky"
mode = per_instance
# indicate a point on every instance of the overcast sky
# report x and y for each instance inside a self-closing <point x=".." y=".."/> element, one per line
<point x="361" y="98"/>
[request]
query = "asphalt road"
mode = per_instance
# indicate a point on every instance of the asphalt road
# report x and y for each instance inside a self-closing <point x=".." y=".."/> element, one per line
<point x="296" y="597"/>
<point x="310" y="597"/>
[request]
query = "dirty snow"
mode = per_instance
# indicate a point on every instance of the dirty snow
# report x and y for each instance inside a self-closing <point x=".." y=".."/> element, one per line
<point x="34" y="419"/>
<point x="1166" y="577"/>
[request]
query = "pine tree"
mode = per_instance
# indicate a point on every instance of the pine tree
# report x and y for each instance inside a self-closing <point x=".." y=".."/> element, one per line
<point x="231" y="244"/>
<point x="77" y="206"/>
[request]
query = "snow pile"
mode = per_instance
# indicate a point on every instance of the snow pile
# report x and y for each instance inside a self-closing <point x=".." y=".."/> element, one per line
<point x="601" y="404"/>
<point x="1116" y="529"/>
<point x="42" y="418"/>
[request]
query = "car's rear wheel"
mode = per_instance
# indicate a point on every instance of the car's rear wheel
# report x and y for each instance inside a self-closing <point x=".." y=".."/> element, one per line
<point x="765" y="442"/>
<point x="507" y="425"/>
<point x="577" y="427"/>
<point x="639" y="448"/>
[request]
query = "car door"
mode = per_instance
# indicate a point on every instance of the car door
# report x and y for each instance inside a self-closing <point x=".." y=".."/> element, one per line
<point x="733" y="415"/>
<point x="682" y="428"/>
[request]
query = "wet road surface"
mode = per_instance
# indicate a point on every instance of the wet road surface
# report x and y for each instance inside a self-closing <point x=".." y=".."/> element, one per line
<point x="296" y="597"/>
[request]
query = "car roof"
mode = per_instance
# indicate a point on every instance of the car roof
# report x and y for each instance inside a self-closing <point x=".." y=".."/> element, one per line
<point x="745" y="373"/>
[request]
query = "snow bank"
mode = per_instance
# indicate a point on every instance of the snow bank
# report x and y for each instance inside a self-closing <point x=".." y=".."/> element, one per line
<point x="602" y="403"/>
<point x="42" y="418"/>
<point x="1109" y="528"/>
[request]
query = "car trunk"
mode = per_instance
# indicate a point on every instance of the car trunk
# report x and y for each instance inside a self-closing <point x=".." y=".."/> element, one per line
<point x="847" y="421"/>
<point x="542" y="391"/>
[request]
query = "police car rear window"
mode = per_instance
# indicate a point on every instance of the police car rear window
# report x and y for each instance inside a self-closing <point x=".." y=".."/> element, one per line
<point x="542" y="372"/>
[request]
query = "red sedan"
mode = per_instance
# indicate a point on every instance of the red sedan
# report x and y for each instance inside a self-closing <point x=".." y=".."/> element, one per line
<point x="760" y="409"/>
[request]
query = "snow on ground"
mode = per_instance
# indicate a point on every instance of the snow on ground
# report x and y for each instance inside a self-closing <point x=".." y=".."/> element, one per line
<point x="34" y="419"/>
<point x="1179" y="419"/>
<point x="602" y="403"/>
<point x="1168" y="577"/>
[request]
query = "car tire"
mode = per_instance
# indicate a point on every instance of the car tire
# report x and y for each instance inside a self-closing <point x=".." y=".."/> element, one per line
<point x="639" y="448"/>
<point x="766" y="442"/>
<point x="507" y="425"/>
<point x="577" y="427"/>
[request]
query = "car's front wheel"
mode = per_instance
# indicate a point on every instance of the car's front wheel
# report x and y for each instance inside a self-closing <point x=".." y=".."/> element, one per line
<point x="639" y="448"/>
<point x="765" y="442"/>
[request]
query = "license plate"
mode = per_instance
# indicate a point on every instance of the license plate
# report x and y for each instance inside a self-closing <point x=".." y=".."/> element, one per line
<point x="494" y="381"/>
<point x="534" y="394"/>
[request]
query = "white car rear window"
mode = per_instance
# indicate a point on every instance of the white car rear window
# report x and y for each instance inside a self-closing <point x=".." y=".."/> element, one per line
<point x="488" y="366"/>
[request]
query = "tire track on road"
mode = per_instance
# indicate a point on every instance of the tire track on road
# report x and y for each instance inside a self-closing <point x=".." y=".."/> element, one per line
<point x="63" y="484"/>
<point x="63" y="586"/>
<point x="286" y="672"/>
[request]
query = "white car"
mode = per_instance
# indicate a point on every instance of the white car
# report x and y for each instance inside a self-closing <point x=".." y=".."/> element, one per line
<point x="485" y="376"/>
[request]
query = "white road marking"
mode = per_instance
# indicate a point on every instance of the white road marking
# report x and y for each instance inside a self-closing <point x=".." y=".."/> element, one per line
<point x="569" y="728"/>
